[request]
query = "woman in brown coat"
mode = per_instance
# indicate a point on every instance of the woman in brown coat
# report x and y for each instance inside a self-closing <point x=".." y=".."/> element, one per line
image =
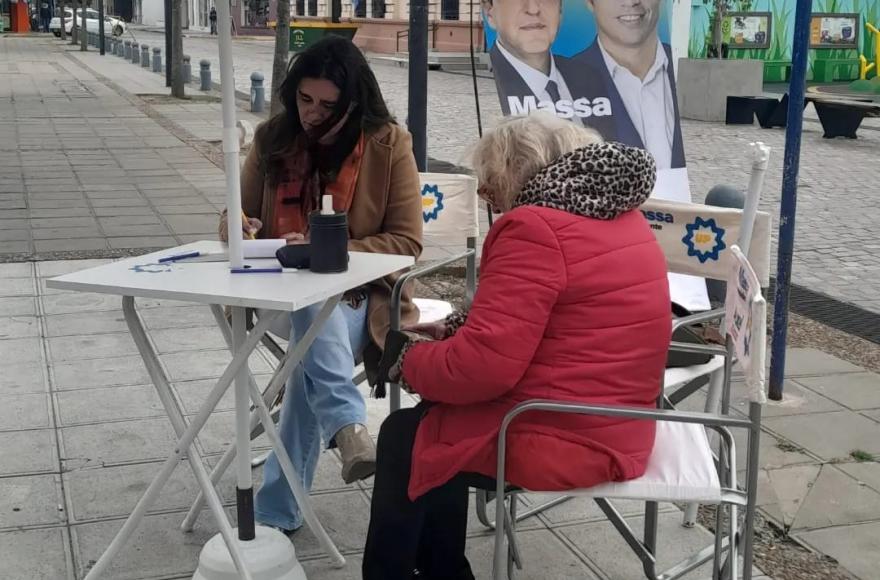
<point x="335" y="136"/>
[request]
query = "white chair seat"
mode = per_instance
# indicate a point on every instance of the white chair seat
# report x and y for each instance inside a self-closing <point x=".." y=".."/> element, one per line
<point x="432" y="310"/>
<point x="680" y="469"/>
<point x="677" y="377"/>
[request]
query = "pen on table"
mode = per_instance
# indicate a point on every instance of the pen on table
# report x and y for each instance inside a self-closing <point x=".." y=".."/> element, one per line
<point x="248" y="270"/>
<point x="179" y="257"/>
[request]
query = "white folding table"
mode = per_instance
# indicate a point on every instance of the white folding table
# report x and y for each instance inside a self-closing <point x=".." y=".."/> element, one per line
<point x="212" y="283"/>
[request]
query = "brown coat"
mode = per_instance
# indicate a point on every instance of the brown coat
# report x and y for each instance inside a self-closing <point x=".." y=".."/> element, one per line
<point x="385" y="214"/>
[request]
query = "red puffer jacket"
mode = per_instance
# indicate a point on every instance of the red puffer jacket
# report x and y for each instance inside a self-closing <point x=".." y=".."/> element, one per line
<point x="569" y="308"/>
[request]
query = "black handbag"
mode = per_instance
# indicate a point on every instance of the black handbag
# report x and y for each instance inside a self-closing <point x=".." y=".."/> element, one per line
<point x="688" y="335"/>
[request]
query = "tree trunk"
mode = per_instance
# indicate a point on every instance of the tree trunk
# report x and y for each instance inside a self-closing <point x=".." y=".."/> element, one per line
<point x="177" y="90"/>
<point x="282" y="54"/>
<point x="717" y="36"/>
<point x="84" y="36"/>
<point x="62" y="19"/>
<point x="74" y="25"/>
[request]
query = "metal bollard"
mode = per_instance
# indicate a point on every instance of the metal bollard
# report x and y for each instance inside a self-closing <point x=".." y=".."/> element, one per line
<point x="205" y="75"/>
<point x="187" y="70"/>
<point x="112" y="46"/>
<point x="145" y="56"/>
<point x="135" y="53"/>
<point x="126" y="50"/>
<point x="258" y="93"/>
<point x="157" y="60"/>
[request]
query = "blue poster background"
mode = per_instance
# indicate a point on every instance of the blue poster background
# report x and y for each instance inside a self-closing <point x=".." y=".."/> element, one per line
<point x="578" y="29"/>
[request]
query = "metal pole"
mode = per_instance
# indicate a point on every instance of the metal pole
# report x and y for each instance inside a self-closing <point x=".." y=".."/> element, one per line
<point x="788" y="207"/>
<point x="168" y="16"/>
<point x="101" y="26"/>
<point x="418" y="81"/>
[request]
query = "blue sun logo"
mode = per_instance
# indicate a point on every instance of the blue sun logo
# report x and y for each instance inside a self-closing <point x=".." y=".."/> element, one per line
<point x="704" y="239"/>
<point x="432" y="202"/>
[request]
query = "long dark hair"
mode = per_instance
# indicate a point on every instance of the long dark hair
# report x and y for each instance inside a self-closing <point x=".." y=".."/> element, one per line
<point x="338" y="60"/>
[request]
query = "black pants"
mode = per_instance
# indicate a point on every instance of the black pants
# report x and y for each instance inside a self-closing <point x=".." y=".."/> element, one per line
<point x="427" y="534"/>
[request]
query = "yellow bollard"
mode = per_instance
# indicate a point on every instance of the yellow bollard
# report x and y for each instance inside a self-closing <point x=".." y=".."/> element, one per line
<point x="876" y="64"/>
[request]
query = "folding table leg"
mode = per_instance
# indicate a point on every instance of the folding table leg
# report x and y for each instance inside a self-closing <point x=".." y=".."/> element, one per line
<point x="184" y="445"/>
<point x="292" y="358"/>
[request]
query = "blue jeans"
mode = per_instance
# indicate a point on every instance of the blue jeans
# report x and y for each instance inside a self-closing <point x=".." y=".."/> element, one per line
<point x="320" y="399"/>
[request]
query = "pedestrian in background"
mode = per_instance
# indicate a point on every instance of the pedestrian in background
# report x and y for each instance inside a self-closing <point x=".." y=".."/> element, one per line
<point x="213" y="19"/>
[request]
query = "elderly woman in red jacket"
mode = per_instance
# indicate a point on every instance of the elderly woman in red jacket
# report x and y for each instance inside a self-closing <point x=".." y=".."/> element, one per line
<point x="573" y="305"/>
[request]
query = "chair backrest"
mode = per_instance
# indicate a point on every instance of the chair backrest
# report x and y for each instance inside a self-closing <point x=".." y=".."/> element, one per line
<point x="696" y="239"/>
<point x="449" y="208"/>
<point x="745" y="322"/>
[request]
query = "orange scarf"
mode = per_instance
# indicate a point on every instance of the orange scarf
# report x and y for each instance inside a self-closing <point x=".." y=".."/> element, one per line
<point x="298" y="193"/>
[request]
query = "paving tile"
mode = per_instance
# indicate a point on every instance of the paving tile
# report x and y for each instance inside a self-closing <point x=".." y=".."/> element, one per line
<point x="607" y="550"/>
<point x="106" y="492"/>
<point x="64" y="233"/>
<point x="189" y="366"/>
<point x="856" y="391"/>
<point x="867" y="473"/>
<point x="193" y="393"/>
<point x="117" y="211"/>
<point x="64" y="222"/>
<point x="85" y="323"/>
<point x="15" y="248"/>
<point x="71" y="302"/>
<point x="177" y="317"/>
<point x="545" y="557"/>
<point x="127" y="201"/>
<point x="19" y="379"/>
<point x="783" y="492"/>
<point x="91" y="346"/>
<point x="218" y="434"/>
<point x="111" y="443"/>
<point x="36" y="554"/>
<point x="157" y="545"/>
<point x="28" y="452"/>
<point x="18" y="306"/>
<point x="796" y="400"/>
<point x="201" y="208"/>
<point x="193" y="224"/>
<point x="185" y="339"/>
<point x="132" y="230"/>
<point x="17" y="287"/>
<point x="344" y="515"/>
<point x="71" y="245"/>
<point x="104" y="372"/>
<point x="60" y="212"/>
<point x="143" y="242"/>
<point x="128" y="220"/>
<point x="17" y="235"/>
<point x="31" y="500"/>
<point x="108" y="404"/>
<point x="21" y="350"/>
<point x="829" y="435"/>
<point x="52" y="268"/>
<point x="836" y="499"/>
<point x="26" y="411"/>
<point x="16" y="270"/>
<point x="19" y="327"/>
<point x="801" y="362"/>
<point x="320" y="570"/>
<point x="856" y="548"/>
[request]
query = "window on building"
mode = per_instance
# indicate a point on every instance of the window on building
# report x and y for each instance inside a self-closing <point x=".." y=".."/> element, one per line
<point x="313" y="7"/>
<point x="360" y="9"/>
<point x="449" y="9"/>
<point x="378" y="9"/>
<point x="300" y="7"/>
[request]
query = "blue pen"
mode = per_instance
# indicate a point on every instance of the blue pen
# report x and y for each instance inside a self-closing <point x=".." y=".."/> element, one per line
<point x="249" y="270"/>
<point x="179" y="257"/>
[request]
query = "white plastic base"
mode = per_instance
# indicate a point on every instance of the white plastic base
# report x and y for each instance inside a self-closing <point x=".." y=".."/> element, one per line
<point x="269" y="556"/>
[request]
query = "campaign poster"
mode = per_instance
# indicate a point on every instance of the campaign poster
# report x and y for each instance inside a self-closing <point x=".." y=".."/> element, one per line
<point x="604" y="63"/>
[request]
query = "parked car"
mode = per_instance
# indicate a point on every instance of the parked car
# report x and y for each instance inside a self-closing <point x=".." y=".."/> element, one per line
<point x="112" y="24"/>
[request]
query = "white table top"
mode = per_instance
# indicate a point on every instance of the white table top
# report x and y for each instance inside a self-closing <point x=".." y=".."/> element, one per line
<point x="212" y="282"/>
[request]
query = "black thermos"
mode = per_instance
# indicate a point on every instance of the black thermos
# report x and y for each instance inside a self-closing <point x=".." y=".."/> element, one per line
<point x="328" y="238"/>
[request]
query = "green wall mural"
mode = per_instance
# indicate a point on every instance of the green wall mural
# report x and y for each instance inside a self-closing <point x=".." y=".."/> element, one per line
<point x="778" y="55"/>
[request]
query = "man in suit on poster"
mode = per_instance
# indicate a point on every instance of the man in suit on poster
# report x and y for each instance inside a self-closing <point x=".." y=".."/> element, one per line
<point x="527" y="75"/>
<point x="628" y="61"/>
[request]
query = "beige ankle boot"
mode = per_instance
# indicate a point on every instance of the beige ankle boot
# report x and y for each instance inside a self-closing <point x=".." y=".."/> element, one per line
<point x="358" y="452"/>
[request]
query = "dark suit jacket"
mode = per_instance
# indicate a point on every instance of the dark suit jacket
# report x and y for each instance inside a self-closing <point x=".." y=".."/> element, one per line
<point x="587" y="76"/>
<point x="507" y="80"/>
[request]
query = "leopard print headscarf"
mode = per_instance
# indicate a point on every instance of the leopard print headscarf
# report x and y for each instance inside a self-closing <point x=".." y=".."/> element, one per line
<point x="600" y="181"/>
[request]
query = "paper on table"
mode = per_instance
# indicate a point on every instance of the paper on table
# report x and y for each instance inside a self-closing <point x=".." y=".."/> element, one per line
<point x="262" y="248"/>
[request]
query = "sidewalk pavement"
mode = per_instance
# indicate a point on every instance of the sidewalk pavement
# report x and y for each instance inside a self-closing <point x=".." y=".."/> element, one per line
<point x="87" y="165"/>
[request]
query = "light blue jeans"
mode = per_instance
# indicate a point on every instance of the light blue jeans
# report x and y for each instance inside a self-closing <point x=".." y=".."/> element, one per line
<point x="320" y="399"/>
